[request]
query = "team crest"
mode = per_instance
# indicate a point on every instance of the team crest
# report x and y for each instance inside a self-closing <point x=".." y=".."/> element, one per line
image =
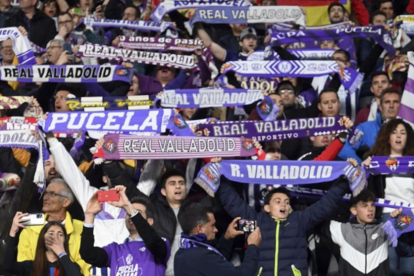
<point x="210" y="175"/>
<point x="265" y="107"/>
<point x="392" y="163"/>
<point x="179" y="123"/>
<point x="284" y="67"/>
<point x="110" y="146"/>
<point x="122" y="72"/>
<point x="402" y="222"/>
<point x="247" y="144"/>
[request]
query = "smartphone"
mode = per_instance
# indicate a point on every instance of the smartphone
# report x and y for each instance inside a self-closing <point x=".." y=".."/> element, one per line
<point x="67" y="47"/>
<point x="247" y="226"/>
<point x="34" y="219"/>
<point x="78" y="11"/>
<point x="111" y="195"/>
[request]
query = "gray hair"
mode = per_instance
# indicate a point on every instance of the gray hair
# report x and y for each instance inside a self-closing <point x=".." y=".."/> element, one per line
<point x="59" y="41"/>
<point x="67" y="192"/>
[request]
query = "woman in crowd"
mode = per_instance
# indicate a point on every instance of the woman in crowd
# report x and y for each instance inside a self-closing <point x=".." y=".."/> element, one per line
<point x="395" y="139"/>
<point x="52" y="252"/>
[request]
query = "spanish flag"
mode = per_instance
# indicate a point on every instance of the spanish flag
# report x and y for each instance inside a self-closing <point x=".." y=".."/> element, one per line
<point x="316" y="10"/>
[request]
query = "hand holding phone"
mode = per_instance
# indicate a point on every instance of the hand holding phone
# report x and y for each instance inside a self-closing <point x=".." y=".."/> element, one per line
<point x="34" y="219"/>
<point x="247" y="226"/>
<point x="105" y="196"/>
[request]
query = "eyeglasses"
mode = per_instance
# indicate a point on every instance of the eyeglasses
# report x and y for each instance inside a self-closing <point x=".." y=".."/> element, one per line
<point x="339" y="59"/>
<point x="52" y="47"/>
<point x="7" y="47"/>
<point x="65" y="22"/>
<point x="284" y="91"/>
<point x="52" y="194"/>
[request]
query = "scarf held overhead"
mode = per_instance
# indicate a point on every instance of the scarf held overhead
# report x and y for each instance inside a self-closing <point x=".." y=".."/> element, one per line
<point x="21" y="45"/>
<point x="391" y="165"/>
<point x="279" y="172"/>
<point x="249" y="15"/>
<point x="272" y="131"/>
<point x="205" y="97"/>
<point x="13" y="102"/>
<point x="378" y="33"/>
<point x="295" y="68"/>
<point x="65" y="73"/>
<point x="138" y="121"/>
<point x="110" y="103"/>
<point x="145" y="26"/>
<point x="24" y="140"/>
<point x="163" y="59"/>
<point x="160" y="43"/>
<point x="171" y="5"/>
<point x="406" y="110"/>
<point x="118" y="147"/>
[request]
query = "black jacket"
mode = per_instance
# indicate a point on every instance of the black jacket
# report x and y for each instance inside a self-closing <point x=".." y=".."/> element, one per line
<point x="200" y="261"/>
<point x="41" y="29"/>
<point x="284" y="242"/>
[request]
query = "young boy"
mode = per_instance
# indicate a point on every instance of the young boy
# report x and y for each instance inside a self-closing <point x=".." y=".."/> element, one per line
<point x="363" y="243"/>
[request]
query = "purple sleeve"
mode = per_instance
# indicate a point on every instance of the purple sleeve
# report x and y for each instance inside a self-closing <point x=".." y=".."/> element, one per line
<point x="109" y="250"/>
<point x="95" y="90"/>
<point x="149" y="85"/>
<point x="178" y="82"/>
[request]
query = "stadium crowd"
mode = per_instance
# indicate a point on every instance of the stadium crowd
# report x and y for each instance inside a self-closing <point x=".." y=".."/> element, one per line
<point x="152" y="138"/>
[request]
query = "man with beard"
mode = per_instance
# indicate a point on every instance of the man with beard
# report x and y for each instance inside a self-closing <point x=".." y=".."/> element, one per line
<point x="336" y="13"/>
<point x="198" y="257"/>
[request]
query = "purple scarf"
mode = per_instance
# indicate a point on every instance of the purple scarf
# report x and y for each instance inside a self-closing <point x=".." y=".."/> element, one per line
<point x="271" y="131"/>
<point x="160" y="43"/>
<point x="280" y="172"/>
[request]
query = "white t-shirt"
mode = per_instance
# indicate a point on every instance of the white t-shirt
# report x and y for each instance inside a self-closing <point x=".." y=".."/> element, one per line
<point x="399" y="188"/>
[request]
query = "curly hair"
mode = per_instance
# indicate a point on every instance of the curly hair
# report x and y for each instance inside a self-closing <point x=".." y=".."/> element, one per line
<point x="382" y="145"/>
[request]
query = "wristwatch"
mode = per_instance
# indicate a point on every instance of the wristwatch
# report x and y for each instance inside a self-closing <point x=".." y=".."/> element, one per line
<point x="133" y="214"/>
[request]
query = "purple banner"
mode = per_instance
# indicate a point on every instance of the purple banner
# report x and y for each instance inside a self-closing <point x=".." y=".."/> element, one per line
<point x="160" y="43"/>
<point x="119" y="147"/>
<point x="271" y="131"/>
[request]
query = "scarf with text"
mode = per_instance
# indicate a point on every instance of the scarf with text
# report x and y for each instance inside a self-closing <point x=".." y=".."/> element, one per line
<point x="350" y="78"/>
<point x="65" y="73"/>
<point x="171" y="5"/>
<point x="381" y="36"/>
<point x="24" y="140"/>
<point x="18" y="123"/>
<point x="305" y="54"/>
<point x="280" y="172"/>
<point x="407" y="23"/>
<point x="21" y="45"/>
<point x="110" y="103"/>
<point x="125" y="122"/>
<point x="406" y="110"/>
<point x="145" y="26"/>
<point x="287" y="27"/>
<point x="249" y="15"/>
<point x="13" y="102"/>
<point x="206" y="97"/>
<point x="160" y="43"/>
<point x="119" y="147"/>
<point x="146" y="57"/>
<point x="271" y="131"/>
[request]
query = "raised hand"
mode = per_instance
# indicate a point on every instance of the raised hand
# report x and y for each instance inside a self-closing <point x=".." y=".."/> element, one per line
<point x="17" y="223"/>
